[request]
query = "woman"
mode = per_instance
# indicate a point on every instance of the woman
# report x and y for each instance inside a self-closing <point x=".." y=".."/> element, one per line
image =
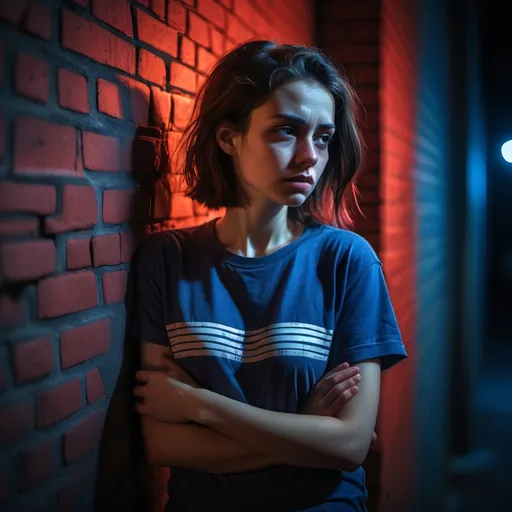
<point x="256" y="410"/>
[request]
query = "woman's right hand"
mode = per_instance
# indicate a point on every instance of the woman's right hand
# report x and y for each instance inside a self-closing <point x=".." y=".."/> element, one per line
<point x="333" y="391"/>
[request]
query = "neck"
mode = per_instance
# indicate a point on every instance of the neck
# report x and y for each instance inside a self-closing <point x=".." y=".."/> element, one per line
<point x="254" y="232"/>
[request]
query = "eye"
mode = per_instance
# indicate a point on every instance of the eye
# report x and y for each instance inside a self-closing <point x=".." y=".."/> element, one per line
<point x="324" y="139"/>
<point x="286" y="131"/>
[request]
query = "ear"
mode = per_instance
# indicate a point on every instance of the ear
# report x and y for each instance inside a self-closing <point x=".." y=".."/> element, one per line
<point x="227" y="138"/>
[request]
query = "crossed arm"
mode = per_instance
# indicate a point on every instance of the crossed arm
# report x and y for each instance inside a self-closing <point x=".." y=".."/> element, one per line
<point x="229" y="436"/>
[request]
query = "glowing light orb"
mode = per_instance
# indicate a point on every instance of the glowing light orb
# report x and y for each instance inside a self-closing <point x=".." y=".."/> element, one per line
<point x="506" y="151"/>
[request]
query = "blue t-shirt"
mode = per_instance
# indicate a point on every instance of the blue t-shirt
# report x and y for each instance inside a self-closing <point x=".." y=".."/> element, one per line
<point x="264" y="331"/>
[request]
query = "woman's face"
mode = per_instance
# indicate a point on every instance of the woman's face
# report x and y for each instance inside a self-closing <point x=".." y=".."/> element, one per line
<point x="285" y="150"/>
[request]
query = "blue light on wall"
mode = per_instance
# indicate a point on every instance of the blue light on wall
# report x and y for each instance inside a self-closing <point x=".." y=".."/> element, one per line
<point x="506" y="151"/>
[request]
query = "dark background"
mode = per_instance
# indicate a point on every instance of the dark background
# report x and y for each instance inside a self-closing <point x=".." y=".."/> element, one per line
<point x="497" y="82"/>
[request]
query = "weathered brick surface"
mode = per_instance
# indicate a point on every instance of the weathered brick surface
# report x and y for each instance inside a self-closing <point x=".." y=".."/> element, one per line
<point x="81" y="75"/>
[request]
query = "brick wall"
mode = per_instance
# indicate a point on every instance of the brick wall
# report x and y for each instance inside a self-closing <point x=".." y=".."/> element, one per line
<point x="399" y="97"/>
<point x="76" y="77"/>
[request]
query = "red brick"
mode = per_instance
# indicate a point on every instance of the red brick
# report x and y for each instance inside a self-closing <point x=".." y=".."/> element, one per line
<point x="226" y="3"/>
<point x="66" y="294"/>
<point x="369" y="97"/>
<point x="237" y="31"/>
<point x="361" y="32"/>
<point x="182" y="206"/>
<point x="158" y="7"/>
<point x="109" y="99"/>
<point x="72" y="91"/>
<point x="217" y="42"/>
<point x="95" y="388"/>
<point x="18" y="197"/>
<point x="251" y="14"/>
<point x="118" y="206"/>
<point x="143" y="2"/>
<point x="44" y="147"/>
<point x="354" y="53"/>
<point x="188" y="51"/>
<point x="182" y="110"/>
<point x="16" y="422"/>
<point x="32" y="359"/>
<point x="84" y="343"/>
<point x="78" y="253"/>
<point x="182" y="77"/>
<point x="126" y="153"/>
<point x="57" y="403"/>
<point x="358" y="10"/>
<point x="367" y="75"/>
<point x="230" y="44"/>
<point x="177" y="16"/>
<point x="101" y="152"/>
<point x="162" y="107"/>
<point x="27" y="260"/>
<point x="79" y="210"/>
<point x="87" y="38"/>
<point x="37" y="464"/>
<point x="200" y="80"/>
<point x="213" y="12"/>
<point x="198" y="30"/>
<point x="39" y="21"/>
<point x="114" y="286"/>
<point x="11" y="310"/>
<point x="127" y="246"/>
<point x="152" y="68"/>
<point x="189" y="2"/>
<point x="12" y="11"/>
<point x="205" y="60"/>
<point x="106" y="250"/>
<point x="157" y="34"/>
<point x="139" y="99"/>
<point x="84" y="438"/>
<point x="115" y="13"/>
<point x="32" y="78"/>
<point x="14" y="227"/>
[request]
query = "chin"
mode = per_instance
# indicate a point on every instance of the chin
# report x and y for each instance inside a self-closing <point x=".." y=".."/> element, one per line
<point x="295" y="200"/>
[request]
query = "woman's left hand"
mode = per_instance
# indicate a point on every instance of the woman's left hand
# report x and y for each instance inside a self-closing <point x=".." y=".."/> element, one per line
<point x="163" y="397"/>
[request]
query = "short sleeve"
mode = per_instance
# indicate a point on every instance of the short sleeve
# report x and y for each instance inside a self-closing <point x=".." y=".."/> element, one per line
<point x="367" y="327"/>
<point x="149" y="319"/>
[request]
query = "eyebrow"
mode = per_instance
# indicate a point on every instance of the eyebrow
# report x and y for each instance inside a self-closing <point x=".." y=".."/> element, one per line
<point x="299" y="120"/>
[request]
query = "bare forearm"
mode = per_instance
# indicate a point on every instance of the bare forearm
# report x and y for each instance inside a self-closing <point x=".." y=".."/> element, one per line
<point x="200" y="448"/>
<point x="296" y="439"/>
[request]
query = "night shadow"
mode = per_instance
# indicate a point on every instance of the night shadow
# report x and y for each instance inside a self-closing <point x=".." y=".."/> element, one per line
<point x="124" y="478"/>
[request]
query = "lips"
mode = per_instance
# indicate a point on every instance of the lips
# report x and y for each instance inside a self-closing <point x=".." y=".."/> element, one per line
<point x="302" y="178"/>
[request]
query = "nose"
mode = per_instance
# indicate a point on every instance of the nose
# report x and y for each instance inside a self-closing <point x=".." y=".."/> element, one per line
<point x="306" y="153"/>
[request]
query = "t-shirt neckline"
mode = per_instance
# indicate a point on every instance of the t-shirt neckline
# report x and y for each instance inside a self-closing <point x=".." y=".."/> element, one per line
<point x="227" y="256"/>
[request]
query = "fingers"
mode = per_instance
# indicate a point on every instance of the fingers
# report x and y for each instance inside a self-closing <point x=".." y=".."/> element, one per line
<point x="343" y="398"/>
<point x="344" y="374"/>
<point x="342" y="366"/>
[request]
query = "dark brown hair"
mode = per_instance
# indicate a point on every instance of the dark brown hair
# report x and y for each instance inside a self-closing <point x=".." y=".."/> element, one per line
<point x="240" y="82"/>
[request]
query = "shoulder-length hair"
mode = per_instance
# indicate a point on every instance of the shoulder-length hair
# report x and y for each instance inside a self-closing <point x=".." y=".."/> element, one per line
<point x="242" y="81"/>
